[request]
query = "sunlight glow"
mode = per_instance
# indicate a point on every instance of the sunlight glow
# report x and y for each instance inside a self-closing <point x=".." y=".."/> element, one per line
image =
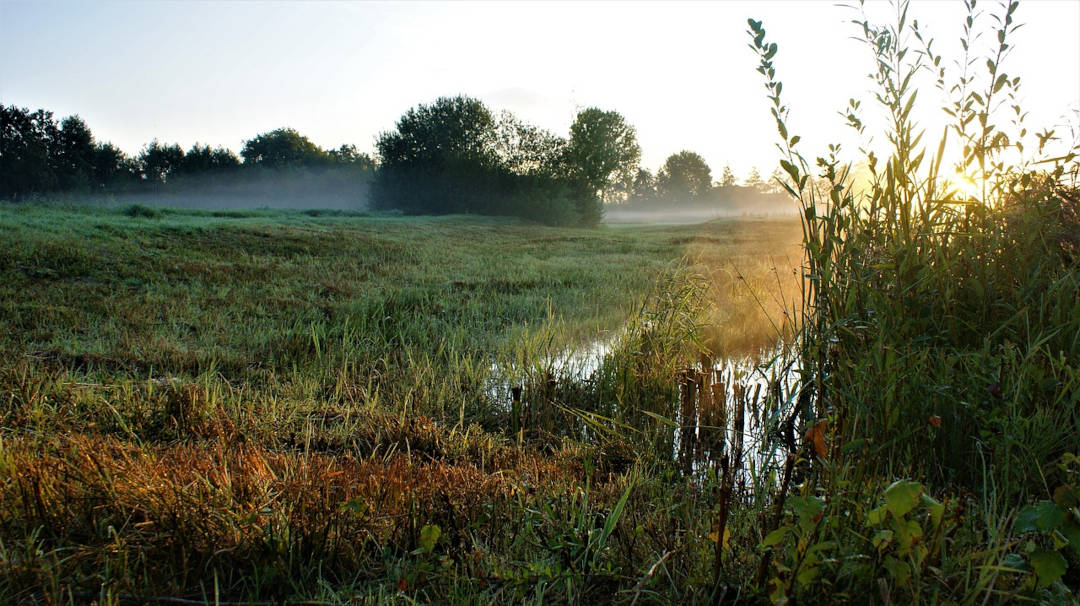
<point x="966" y="187"/>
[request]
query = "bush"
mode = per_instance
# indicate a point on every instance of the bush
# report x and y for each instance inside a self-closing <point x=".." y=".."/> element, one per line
<point x="141" y="211"/>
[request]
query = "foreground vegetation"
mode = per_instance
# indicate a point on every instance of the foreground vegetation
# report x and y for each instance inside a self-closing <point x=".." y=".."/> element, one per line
<point x="938" y="343"/>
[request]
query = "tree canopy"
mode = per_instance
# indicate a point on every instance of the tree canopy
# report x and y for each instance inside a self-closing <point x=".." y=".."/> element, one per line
<point x="160" y="161"/>
<point x="603" y="150"/>
<point x="452" y="130"/>
<point x="451" y="155"/>
<point x="282" y="147"/>
<point x="204" y="159"/>
<point x="526" y="149"/>
<point x="684" y="176"/>
<point x="455" y="156"/>
<point x="727" y="178"/>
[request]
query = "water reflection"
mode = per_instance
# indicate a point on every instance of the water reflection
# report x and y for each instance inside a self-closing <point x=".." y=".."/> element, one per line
<point x="731" y="415"/>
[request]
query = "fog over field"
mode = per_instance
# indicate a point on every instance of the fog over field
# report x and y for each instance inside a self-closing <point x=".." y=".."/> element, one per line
<point x="332" y="188"/>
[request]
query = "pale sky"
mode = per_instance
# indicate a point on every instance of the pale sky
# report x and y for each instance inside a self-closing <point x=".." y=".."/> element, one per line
<point x="341" y="72"/>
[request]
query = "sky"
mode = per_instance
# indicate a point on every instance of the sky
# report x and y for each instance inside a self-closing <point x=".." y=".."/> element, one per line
<point x="342" y="72"/>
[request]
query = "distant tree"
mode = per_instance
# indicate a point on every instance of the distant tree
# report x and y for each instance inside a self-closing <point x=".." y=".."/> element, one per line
<point x="158" y="161"/>
<point x="643" y="188"/>
<point x="603" y="151"/>
<point x="728" y="177"/>
<point x="441" y="158"/>
<point x="28" y="142"/>
<point x="112" y="167"/>
<point x="201" y="159"/>
<point x="452" y="130"/>
<point x="684" y="176"/>
<point x="74" y="161"/>
<point x="283" y="147"/>
<point x="775" y="179"/>
<point x="347" y="155"/>
<point x="753" y="180"/>
<point x="525" y="149"/>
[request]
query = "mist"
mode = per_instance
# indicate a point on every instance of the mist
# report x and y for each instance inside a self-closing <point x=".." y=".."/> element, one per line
<point x="732" y="201"/>
<point x="299" y="189"/>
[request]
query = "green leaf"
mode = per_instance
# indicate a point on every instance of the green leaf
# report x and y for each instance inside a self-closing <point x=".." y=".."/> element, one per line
<point x="807" y="574"/>
<point x="790" y="169"/>
<point x="1002" y="79"/>
<point x="429" y="535"/>
<point x="899" y="571"/>
<point x="1015" y="561"/>
<point x="876" y="516"/>
<point x="902" y="496"/>
<point x="853" y="446"/>
<point x="613" y="517"/>
<point x="882" y="538"/>
<point x="1044" y="516"/>
<point x="778" y="592"/>
<point x="774" y="537"/>
<point x="908" y="532"/>
<point x="807" y="508"/>
<point x="937" y="510"/>
<point x="1049" y="566"/>
<point x="1071" y="531"/>
<point x="822" y="546"/>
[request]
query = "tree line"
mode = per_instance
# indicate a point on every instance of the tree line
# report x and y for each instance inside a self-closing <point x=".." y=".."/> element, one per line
<point x="40" y="155"/>
<point x="453" y="155"/>
<point x="685" y="179"/>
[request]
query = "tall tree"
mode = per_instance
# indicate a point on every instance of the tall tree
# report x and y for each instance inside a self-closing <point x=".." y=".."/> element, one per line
<point x="74" y="154"/>
<point x="441" y="158"/>
<point x="775" y="180"/>
<point x="451" y="130"/>
<point x="28" y="142"/>
<point x="282" y="147"/>
<point x="603" y="151"/>
<point x="644" y="188"/>
<point x="727" y="178"/>
<point x="684" y="176"/>
<point x="158" y="161"/>
<point x="347" y="155"/>
<point x="753" y="180"/>
<point x="525" y="149"/>
<point x="202" y="159"/>
<point x="112" y="167"/>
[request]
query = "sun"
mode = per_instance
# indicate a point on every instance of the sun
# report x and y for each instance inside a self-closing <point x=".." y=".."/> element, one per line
<point x="966" y="187"/>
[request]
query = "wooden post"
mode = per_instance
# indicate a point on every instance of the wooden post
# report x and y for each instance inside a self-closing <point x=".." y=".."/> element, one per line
<point x="515" y="409"/>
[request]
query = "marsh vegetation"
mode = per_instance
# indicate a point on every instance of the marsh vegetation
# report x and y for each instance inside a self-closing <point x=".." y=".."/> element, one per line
<point x="874" y="401"/>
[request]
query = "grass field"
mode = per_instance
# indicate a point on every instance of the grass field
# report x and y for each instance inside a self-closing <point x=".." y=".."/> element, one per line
<point x="281" y="405"/>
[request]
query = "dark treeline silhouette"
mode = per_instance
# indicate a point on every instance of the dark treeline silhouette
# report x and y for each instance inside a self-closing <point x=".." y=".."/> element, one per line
<point x="453" y="155"/>
<point x="40" y="157"/>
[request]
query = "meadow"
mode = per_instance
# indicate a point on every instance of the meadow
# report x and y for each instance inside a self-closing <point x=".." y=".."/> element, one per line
<point x="293" y="405"/>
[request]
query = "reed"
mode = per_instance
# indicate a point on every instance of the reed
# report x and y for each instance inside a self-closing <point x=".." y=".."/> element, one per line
<point x="938" y="338"/>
